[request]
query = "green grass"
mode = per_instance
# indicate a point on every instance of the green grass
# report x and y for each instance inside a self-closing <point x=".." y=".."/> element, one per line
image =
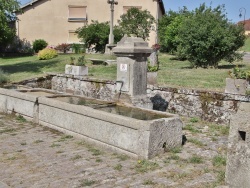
<point x="219" y="161"/>
<point x="196" y="142"/>
<point x="20" y="68"/>
<point x="118" y="167"/>
<point x="246" y="47"/>
<point x="172" y="73"/>
<point x="179" y="74"/>
<point x="143" y="166"/>
<point x="195" y="159"/>
<point x="87" y="182"/>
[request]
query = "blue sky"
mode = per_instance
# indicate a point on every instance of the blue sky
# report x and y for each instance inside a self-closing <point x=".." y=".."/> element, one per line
<point x="232" y="6"/>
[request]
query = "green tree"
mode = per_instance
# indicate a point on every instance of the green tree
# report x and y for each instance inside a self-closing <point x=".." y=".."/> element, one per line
<point x="97" y="34"/>
<point x="167" y="30"/>
<point x="7" y="16"/>
<point x="207" y="37"/>
<point x="137" y="22"/>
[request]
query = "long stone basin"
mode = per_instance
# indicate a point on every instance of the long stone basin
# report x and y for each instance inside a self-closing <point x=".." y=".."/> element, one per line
<point x="118" y="127"/>
<point x="134" y="136"/>
<point x="23" y="101"/>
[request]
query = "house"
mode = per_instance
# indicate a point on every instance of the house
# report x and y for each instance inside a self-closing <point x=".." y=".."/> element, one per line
<point x="246" y="24"/>
<point x="57" y="20"/>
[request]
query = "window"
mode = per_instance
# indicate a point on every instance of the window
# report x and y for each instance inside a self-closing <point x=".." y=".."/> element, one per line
<point x="77" y="13"/>
<point x="73" y="37"/>
<point x="126" y="8"/>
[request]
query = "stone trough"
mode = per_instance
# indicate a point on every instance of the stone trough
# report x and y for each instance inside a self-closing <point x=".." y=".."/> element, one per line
<point x="98" y="121"/>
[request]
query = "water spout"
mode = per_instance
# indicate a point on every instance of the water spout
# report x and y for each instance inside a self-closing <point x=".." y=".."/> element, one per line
<point x="120" y="91"/>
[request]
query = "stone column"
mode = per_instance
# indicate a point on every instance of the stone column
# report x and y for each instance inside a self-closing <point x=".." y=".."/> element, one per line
<point x="238" y="156"/>
<point x="132" y="53"/>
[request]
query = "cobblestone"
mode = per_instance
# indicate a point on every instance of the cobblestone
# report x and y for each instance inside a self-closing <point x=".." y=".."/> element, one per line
<point x="35" y="156"/>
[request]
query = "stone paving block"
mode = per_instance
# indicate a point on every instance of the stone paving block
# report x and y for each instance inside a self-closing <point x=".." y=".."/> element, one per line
<point x="39" y="165"/>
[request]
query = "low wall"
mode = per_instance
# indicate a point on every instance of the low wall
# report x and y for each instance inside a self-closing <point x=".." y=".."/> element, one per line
<point x="210" y="106"/>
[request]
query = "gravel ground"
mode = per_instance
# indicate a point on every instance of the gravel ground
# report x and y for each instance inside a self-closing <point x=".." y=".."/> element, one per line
<point x="35" y="156"/>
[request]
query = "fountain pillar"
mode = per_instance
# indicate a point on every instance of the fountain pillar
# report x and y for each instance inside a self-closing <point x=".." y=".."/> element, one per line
<point x="132" y="53"/>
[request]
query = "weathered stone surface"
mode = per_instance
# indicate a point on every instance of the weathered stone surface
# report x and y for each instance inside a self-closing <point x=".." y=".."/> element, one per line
<point x="132" y="53"/>
<point x="238" y="158"/>
<point x="76" y="70"/>
<point x="236" y="86"/>
<point x="210" y="106"/>
<point x="141" y="138"/>
<point x="36" y="156"/>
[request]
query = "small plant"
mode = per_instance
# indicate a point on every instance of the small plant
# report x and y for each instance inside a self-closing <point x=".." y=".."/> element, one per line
<point x="6" y="131"/>
<point x="95" y="152"/>
<point x="54" y="145"/>
<point x="122" y="157"/>
<point x="174" y="157"/>
<point x="86" y="182"/>
<point x="64" y="138"/>
<point x="23" y="143"/>
<point x="63" y="47"/>
<point x="46" y="54"/>
<point x="81" y="61"/>
<point x="21" y="119"/>
<point x="194" y="120"/>
<point x="145" y="165"/>
<point x="38" y="141"/>
<point x="148" y="182"/>
<point x="4" y="77"/>
<point x="219" y="161"/>
<point x="76" y="157"/>
<point x="72" y="60"/>
<point x="238" y="73"/>
<point x="191" y="128"/>
<point x="152" y="68"/>
<point x="176" y="150"/>
<point x="196" y="160"/>
<point x="39" y="44"/>
<point x="196" y="142"/>
<point x="98" y="160"/>
<point x="118" y="167"/>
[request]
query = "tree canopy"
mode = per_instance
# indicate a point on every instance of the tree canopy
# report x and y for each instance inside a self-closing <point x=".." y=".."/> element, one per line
<point x="97" y="34"/>
<point x="204" y="36"/>
<point x="137" y="22"/>
<point x="7" y="15"/>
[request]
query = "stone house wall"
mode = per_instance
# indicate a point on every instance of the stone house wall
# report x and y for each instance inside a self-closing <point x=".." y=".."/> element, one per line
<point x="211" y="106"/>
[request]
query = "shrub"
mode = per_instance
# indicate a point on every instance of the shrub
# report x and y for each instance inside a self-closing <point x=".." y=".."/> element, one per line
<point x="39" y="44"/>
<point x="78" y="48"/>
<point x="4" y="77"/>
<point x="63" y="47"/>
<point x="47" y="53"/>
<point x="20" y="46"/>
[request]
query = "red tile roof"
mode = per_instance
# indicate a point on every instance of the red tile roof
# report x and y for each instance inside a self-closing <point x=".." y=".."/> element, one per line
<point x="246" y="24"/>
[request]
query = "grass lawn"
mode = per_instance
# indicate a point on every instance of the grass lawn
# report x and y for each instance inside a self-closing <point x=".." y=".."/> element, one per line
<point x="21" y="68"/>
<point x="246" y="47"/>
<point x="172" y="73"/>
<point x="180" y="74"/>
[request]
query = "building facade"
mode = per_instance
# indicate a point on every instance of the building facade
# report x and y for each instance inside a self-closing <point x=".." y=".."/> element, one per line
<point x="57" y="20"/>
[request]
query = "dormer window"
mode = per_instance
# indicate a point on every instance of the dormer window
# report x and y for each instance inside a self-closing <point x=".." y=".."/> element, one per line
<point x="77" y="14"/>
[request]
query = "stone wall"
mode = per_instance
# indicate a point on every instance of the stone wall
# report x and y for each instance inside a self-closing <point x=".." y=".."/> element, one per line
<point x="210" y="106"/>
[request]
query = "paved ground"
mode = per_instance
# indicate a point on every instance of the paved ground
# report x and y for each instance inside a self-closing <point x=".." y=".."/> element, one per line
<point x="38" y="157"/>
<point x="246" y="57"/>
